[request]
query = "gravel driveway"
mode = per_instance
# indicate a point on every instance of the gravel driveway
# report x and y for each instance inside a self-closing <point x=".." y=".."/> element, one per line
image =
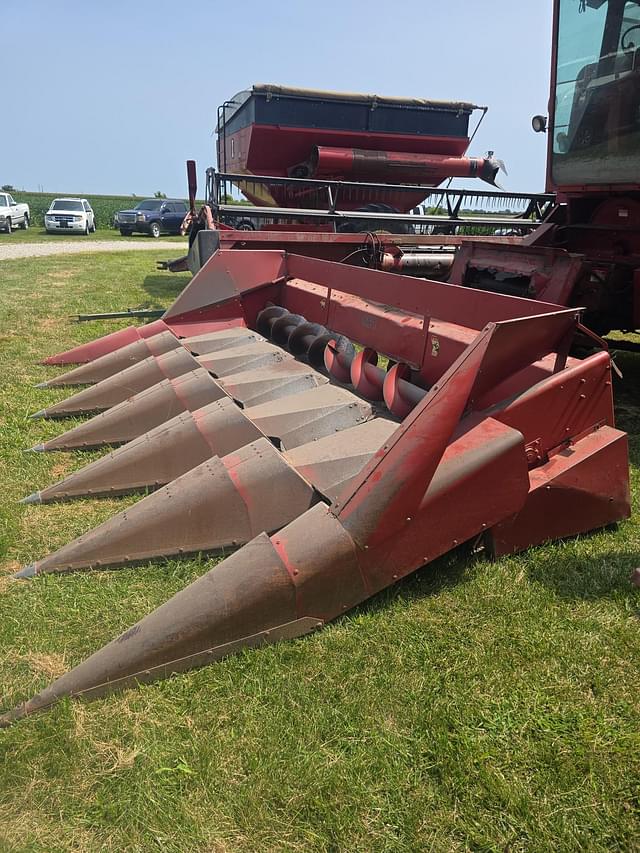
<point x="41" y="250"/>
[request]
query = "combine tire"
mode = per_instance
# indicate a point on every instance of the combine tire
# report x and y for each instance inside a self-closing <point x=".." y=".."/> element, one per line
<point x="154" y="231"/>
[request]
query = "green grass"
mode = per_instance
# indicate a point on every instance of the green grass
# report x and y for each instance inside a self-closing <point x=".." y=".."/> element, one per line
<point x="39" y="235"/>
<point x="477" y="706"/>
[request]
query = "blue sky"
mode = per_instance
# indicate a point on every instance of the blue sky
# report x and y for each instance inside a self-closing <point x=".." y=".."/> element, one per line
<point x="112" y="96"/>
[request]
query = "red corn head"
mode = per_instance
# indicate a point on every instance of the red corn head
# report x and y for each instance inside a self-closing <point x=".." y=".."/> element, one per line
<point x="504" y="440"/>
<point x="450" y="472"/>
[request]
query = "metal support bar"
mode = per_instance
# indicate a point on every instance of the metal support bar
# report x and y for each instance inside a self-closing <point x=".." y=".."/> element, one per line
<point x="414" y="219"/>
<point x="428" y="190"/>
<point x="152" y="313"/>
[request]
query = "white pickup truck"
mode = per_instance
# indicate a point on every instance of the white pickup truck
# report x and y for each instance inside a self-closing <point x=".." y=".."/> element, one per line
<point x="12" y="214"/>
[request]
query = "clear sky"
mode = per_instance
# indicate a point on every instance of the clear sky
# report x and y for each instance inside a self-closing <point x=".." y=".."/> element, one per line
<point x="112" y="96"/>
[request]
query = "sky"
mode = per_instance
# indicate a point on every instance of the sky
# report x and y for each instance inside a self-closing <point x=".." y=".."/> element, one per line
<point x="112" y="96"/>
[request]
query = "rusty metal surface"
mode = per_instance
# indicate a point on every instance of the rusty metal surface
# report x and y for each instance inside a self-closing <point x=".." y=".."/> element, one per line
<point x="106" y="344"/>
<point x="224" y="339"/>
<point x="267" y="584"/>
<point x="169" y="450"/>
<point x="503" y="436"/>
<point x="158" y="456"/>
<point x="309" y="415"/>
<point x="241" y="358"/>
<point x="580" y="488"/>
<point x="220" y="504"/>
<point x="140" y="413"/>
<point x="113" y="362"/>
<point x="114" y="389"/>
<point x="237" y="598"/>
<point x="330" y="463"/>
<point x="252" y="387"/>
<point x="287" y="631"/>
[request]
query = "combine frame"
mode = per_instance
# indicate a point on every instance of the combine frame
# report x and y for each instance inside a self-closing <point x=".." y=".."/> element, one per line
<point x="530" y="209"/>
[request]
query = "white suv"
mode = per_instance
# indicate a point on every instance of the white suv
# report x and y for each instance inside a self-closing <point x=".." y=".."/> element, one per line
<point x="70" y="214"/>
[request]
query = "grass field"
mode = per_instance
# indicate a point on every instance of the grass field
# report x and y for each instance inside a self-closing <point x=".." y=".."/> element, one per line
<point x="477" y="706"/>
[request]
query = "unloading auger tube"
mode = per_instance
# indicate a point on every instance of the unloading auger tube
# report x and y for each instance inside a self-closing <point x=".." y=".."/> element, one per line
<point x="512" y="443"/>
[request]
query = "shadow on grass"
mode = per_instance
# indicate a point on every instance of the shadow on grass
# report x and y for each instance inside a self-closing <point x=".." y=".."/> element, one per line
<point x="165" y="287"/>
<point x="605" y="575"/>
<point x="626" y="393"/>
<point x="450" y="570"/>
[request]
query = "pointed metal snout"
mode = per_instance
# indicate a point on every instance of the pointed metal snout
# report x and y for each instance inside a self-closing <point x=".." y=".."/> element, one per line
<point x="218" y="505"/>
<point x="161" y="402"/>
<point x="158" y="456"/>
<point x="140" y="413"/>
<point x="175" y="447"/>
<point x="114" y="362"/>
<point x="224" y="502"/>
<point x="273" y="588"/>
<point x="114" y="389"/>
<point x="93" y="350"/>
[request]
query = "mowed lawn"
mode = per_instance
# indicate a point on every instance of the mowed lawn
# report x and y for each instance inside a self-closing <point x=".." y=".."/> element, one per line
<point x="476" y="706"/>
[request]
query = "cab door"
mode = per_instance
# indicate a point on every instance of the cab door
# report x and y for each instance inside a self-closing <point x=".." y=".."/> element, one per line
<point x="13" y="209"/>
<point x="166" y="212"/>
<point x="180" y="212"/>
<point x="170" y="218"/>
<point x="90" y="214"/>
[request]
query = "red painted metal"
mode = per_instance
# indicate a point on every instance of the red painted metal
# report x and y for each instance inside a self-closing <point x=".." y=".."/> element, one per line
<point x="121" y="386"/>
<point x="106" y="344"/>
<point x="114" y="362"/>
<point x="395" y="166"/>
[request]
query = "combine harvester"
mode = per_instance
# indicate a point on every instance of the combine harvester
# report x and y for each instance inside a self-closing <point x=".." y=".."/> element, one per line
<point x="330" y="470"/>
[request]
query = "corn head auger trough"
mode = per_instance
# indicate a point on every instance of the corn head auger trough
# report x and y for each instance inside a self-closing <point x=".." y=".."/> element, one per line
<point x="263" y="429"/>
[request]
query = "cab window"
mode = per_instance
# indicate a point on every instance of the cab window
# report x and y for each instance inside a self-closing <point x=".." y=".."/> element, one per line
<point x="596" y="132"/>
